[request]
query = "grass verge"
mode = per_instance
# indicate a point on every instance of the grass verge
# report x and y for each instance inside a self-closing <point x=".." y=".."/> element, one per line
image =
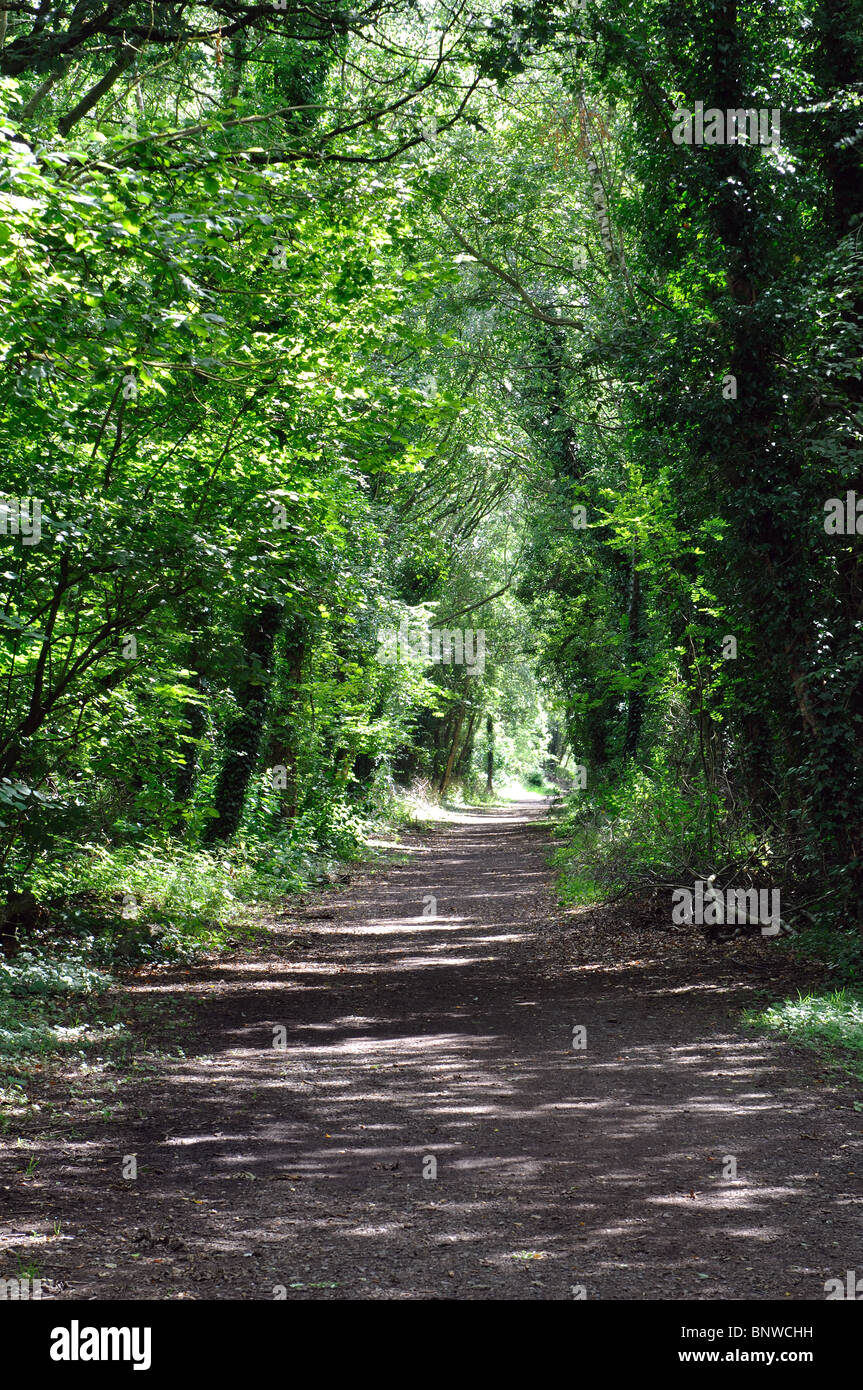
<point x="830" y="1024"/>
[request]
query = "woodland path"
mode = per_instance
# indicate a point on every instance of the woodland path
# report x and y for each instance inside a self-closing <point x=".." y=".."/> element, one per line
<point x="449" y="1037"/>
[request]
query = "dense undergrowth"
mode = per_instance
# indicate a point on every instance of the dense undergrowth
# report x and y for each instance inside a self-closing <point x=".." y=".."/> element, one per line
<point x="645" y="833"/>
<point x="104" y="909"/>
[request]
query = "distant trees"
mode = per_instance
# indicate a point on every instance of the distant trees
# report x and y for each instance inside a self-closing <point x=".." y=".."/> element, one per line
<point x="315" y="323"/>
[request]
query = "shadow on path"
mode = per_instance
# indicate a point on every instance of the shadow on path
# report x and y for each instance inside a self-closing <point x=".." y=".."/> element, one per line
<point x="416" y="1044"/>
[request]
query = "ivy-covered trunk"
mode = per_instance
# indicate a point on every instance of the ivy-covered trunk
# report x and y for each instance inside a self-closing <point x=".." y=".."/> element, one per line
<point x="285" y="736"/>
<point x="243" y="735"/>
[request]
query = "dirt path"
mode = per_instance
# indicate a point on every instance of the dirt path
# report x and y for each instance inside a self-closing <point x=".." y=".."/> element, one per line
<point x="450" y="1038"/>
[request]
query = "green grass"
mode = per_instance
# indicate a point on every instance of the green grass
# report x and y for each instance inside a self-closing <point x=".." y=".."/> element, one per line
<point x="831" y="1024"/>
<point x="579" y="890"/>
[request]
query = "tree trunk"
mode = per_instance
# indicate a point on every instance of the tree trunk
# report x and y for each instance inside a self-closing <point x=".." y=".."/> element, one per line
<point x="196" y="723"/>
<point x="243" y="736"/>
<point x="635" y="694"/>
<point x="284" y="746"/>
<point x="489" y="757"/>
<point x="444" y="782"/>
<point x="464" y="756"/>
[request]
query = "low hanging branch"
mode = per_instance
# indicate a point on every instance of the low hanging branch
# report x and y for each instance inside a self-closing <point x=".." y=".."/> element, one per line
<point x="479" y="603"/>
<point x="509" y="279"/>
<point x="125" y="59"/>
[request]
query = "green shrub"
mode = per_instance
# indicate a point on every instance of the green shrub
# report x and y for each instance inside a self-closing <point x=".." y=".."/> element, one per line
<point x="643" y="827"/>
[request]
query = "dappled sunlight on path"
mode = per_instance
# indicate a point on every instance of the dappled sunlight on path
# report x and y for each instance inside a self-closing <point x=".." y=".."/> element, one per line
<point x="405" y="1026"/>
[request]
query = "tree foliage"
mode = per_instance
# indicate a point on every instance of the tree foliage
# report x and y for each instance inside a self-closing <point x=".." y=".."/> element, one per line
<point x="321" y="324"/>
